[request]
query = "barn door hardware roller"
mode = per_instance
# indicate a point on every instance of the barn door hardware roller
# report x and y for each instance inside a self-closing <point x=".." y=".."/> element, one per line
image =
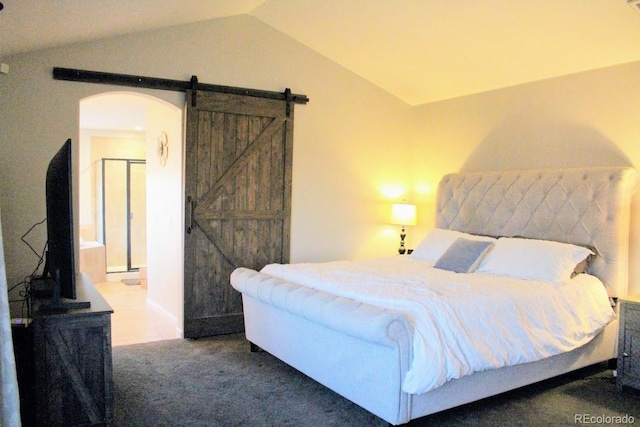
<point x="194" y="91"/>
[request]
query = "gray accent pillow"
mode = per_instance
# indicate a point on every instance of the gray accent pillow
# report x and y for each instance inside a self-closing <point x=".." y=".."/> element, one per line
<point x="463" y="256"/>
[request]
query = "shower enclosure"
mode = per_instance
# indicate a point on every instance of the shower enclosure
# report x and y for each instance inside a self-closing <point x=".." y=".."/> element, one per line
<point x="124" y="213"/>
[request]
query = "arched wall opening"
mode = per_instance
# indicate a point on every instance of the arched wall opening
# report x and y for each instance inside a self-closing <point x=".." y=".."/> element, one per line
<point x="121" y="126"/>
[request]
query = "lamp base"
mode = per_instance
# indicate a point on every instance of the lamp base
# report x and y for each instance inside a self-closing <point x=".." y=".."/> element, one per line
<point x="402" y="250"/>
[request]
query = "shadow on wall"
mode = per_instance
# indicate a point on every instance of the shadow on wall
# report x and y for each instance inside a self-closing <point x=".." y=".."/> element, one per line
<point x="519" y="145"/>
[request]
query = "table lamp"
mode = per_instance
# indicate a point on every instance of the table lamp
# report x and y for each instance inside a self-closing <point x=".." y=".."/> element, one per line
<point x="403" y="214"/>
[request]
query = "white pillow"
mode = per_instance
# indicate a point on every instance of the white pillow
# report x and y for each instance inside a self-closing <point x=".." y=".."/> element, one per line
<point x="438" y="240"/>
<point x="542" y="260"/>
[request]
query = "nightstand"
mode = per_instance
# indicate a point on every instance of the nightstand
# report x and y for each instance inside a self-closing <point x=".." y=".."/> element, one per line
<point x="629" y="343"/>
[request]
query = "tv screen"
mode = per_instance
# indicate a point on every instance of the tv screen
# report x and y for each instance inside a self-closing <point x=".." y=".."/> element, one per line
<point x="60" y="247"/>
<point x="60" y="263"/>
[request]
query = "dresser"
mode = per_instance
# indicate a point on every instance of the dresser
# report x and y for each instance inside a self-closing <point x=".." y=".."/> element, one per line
<point x="72" y="362"/>
<point x="629" y="343"/>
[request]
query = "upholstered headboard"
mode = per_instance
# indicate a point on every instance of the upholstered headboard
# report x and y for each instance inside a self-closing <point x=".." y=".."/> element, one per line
<point x="588" y="206"/>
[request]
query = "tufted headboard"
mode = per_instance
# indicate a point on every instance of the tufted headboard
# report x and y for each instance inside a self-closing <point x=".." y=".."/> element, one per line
<point x="589" y="206"/>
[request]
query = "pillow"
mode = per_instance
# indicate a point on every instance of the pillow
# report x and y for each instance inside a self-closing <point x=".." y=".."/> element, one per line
<point x="583" y="265"/>
<point x="542" y="260"/>
<point x="463" y="256"/>
<point x="438" y="240"/>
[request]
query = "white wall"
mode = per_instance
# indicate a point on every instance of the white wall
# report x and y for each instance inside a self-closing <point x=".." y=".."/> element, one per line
<point x="165" y="231"/>
<point x="349" y="141"/>
<point x="585" y="119"/>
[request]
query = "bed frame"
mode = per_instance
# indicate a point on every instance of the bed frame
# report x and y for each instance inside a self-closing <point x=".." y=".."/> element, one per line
<point x="363" y="352"/>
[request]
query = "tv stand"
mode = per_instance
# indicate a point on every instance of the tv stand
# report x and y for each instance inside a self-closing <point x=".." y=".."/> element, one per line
<point x="72" y="360"/>
<point x="57" y="303"/>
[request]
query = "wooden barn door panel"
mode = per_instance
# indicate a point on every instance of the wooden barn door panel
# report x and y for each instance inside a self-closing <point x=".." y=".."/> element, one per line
<point x="238" y="192"/>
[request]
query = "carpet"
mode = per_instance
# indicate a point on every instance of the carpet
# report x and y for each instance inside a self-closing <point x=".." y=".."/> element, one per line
<point x="219" y="382"/>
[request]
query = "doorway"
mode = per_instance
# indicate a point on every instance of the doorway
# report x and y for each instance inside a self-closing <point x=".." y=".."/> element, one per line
<point x="121" y="131"/>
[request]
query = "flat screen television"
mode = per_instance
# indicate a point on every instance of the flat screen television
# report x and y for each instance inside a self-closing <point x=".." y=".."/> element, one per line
<point x="60" y="264"/>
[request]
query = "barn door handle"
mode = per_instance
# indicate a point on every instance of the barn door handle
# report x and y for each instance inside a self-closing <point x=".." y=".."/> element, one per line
<point x="189" y="214"/>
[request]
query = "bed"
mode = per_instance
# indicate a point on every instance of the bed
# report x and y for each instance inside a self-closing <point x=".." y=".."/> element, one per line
<point x="370" y="353"/>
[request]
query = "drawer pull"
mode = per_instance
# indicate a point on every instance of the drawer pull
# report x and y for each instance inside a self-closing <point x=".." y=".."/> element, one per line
<point x="625" y="354"/>
<point x="189" y="215"/>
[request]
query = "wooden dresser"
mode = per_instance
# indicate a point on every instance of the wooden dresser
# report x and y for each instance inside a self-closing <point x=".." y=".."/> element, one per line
<point x="629" y="344"/>
<point x="72" y="357"/>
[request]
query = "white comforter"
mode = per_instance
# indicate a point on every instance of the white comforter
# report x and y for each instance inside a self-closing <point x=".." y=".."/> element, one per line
<point x="464" y="323"/>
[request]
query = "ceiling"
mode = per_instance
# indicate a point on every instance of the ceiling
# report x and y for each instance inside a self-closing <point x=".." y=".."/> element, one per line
<point x="418" y="50"/>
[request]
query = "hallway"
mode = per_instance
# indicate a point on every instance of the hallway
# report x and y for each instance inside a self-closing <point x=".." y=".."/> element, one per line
<point x="134" y="321"/>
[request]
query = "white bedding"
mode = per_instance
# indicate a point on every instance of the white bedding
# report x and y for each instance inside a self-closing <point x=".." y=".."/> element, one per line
<point x="464" y="323"/>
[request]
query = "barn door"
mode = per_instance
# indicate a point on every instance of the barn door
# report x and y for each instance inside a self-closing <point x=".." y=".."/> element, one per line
<point x="238" y="194"/>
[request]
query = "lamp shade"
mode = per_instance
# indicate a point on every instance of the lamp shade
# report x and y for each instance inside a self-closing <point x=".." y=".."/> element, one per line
<point x="403" y="214"/>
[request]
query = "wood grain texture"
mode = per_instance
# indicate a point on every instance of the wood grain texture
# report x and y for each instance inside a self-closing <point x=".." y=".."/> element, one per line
<point x="629" y="345"/>
<point x="72" y="357"/>
<point x="238" y="172"/>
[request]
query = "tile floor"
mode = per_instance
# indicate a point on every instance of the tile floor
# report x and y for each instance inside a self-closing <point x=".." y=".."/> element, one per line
<point x="133" y="321"/>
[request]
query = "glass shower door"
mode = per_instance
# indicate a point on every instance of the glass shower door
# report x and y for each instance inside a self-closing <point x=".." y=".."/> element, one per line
<point x="124" y="213"/>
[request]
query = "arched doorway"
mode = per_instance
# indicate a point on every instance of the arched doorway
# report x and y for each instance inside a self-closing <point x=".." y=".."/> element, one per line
<point x="121" y="134"/>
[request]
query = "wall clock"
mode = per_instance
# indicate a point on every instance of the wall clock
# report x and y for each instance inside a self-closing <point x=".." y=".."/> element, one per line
<point x="163" y="148"/>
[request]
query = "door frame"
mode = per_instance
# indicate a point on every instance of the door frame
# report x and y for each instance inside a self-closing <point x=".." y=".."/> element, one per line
<point x="128" y="162"/>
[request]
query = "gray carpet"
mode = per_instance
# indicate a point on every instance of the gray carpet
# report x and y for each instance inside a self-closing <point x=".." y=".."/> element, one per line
<point x="218" y="382"/>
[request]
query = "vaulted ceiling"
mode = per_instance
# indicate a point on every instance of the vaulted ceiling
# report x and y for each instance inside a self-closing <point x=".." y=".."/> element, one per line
<point x="418" y="50"/>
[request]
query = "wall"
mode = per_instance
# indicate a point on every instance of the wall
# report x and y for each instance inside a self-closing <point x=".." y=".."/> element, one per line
<point x="165" y="236"/>
<point x="349" y="141"/>
<point x="585" y="119"/>
<point x="352" y="141"/>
